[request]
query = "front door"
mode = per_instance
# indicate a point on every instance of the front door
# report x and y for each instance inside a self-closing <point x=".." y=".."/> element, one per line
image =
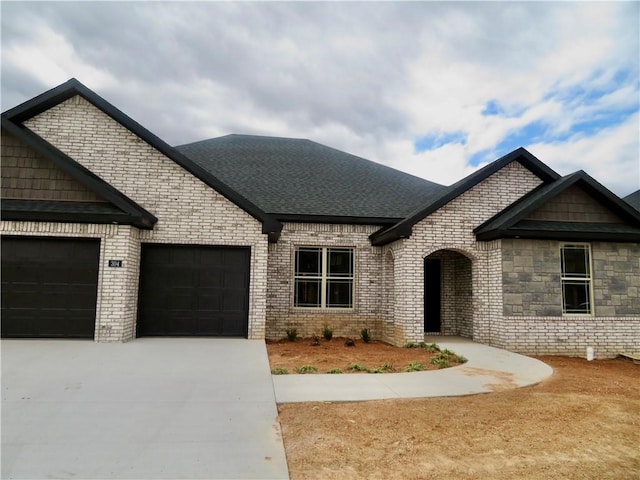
<point x="432" y="295"/>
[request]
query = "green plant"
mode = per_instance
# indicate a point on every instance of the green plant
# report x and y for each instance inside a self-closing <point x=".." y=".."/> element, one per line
<point x="458" y="359"/>
<point x="387" y="367"/>
<point x="306" y="369"/>
<point x="349" y="342"/>
<point x="440" y="362"/>
<point x="327" y="332"/>
<point x="335" y="371"/>
<point x="432" y="348"/>
<point x="365" y="335"/>
<point x="279" y="371"/>
<point x="414" y="367"/>
<point x="357" y="367"/>
<point x="292" y="334"/>
<point x="376" y="370"/>
<point x="415" y="345"/>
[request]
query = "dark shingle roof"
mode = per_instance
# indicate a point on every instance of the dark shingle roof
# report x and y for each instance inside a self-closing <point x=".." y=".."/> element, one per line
<point x="295" y="177"/>
<point x="633" y="200"/>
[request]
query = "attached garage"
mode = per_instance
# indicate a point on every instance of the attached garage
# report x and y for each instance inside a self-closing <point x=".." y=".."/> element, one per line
<point x="49" y="287"/>
<point x="188" y="290"/>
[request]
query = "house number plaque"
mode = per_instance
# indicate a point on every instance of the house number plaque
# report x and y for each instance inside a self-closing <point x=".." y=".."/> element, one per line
<point x="115" y="263"/>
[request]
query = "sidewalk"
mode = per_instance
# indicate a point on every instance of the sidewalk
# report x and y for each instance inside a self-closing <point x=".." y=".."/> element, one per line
<point x="488" y="369"/>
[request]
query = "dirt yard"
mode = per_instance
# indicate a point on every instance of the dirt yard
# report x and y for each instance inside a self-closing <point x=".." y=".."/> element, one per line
<point x="582" y="423"/>
<point x="328" y="355"/>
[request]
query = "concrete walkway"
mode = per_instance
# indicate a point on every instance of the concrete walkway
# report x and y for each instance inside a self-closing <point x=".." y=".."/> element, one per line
<point x="488" y="370"/>
<point x="154" y="408"/>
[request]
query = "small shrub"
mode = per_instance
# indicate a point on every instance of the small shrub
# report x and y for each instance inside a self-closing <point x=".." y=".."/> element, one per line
<point x="376" y="370"/>
<point x="292" y="334"/>
<point x="279" y="371"/>
<point x="306" y="369"/>
<point x="432" y="348"/>
<point x="440" y="362"/>
<point x="315" y="340"/>
<point x="446" y="353"/>
<point x="357" y="367"/>
<point x="415" y="345"/>
<point x="458" y="359"/>
<point x="365" y="335"/>
<point x="387" y="367"/>
<point x="335" y="371"/>
<point x="327" y="333"/>
<point x="349" y="342"/>
<point x="414" y="367"/>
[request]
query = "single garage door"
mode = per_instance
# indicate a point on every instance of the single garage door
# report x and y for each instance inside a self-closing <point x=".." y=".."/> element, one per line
<point x="49" y="287"/>
<point x="188" y="290"/>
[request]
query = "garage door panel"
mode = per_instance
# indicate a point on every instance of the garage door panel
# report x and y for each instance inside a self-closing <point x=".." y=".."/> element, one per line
<point x="190" y="290"/>
<point x="49" y="287"/>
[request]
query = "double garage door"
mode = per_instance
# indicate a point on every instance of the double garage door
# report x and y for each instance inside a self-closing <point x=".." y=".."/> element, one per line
<point x="50" y="286"/>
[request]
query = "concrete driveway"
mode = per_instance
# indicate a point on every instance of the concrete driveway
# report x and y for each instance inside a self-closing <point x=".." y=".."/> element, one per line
<point x="149" y="409"/>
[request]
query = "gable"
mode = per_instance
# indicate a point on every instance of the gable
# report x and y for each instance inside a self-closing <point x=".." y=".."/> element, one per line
<point x="519" y="159"/>
<point x="29" y="175"/>
<point x="572" y="208"/>
<point x="33" y="193"/>
<point x="574" y="205"/>
<point x="74" y="91"/>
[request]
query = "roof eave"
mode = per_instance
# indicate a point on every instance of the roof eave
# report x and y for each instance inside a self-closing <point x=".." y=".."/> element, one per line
<point x="558" y="235"/>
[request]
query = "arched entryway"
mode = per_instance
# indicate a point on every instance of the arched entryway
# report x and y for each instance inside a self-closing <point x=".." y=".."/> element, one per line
<point x="448" y="293"/>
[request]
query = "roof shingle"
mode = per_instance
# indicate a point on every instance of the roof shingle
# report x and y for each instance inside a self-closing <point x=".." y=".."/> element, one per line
<point x="297" y="177"/>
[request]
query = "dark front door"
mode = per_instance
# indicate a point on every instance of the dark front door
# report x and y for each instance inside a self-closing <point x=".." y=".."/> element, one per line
<point x="49" y="287"/>
<point x="188" y="290"/>
<point x="432" y="295"/>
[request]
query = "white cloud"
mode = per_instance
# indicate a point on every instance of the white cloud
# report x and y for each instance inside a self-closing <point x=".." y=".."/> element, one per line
<point x="51" y="59"/>
<point x="369" y="79"/>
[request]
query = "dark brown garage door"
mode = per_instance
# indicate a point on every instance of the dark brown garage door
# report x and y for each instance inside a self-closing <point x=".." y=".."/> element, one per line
<point x="49" y="287"/>
<point x="193" y="291"/>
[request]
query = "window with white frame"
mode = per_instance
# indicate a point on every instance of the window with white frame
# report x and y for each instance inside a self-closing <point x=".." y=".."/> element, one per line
<point x="323" y="277"/>
<point x="576" y="279"/>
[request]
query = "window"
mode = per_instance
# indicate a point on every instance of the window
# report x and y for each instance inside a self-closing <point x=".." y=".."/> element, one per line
<point x="576" y="279"/>
<point x="323" y="277"/>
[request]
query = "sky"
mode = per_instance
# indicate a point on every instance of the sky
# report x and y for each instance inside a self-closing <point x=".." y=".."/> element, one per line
<point x="435" y="89"/>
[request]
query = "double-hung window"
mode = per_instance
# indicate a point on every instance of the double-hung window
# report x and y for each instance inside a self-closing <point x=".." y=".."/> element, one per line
<point x="323" y="277"/>
<point x="576" y="279"/>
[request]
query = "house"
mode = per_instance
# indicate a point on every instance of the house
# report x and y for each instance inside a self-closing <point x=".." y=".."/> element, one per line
<point x="109" y="233"/>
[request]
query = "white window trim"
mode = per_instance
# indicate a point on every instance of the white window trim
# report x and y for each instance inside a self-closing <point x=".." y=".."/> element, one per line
<point x="323" y="280"/>
<point x="589" y="279"/>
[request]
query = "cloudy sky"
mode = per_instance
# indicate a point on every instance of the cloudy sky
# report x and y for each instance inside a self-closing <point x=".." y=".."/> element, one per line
<point x="433" y="89"/>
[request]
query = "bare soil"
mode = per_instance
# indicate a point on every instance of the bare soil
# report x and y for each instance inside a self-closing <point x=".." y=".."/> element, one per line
<point x="328" y="355"/>
<point x="582" y="423"/>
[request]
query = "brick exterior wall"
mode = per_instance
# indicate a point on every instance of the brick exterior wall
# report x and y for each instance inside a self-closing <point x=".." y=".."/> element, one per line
<point x="451" y="228"/>
<point x="533" y="322"/>
<point x="188" y="212"/>
<point x="368" y="302"/>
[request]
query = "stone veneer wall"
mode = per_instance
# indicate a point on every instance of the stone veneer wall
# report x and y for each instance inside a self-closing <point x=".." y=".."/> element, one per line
<point x="451" y="228"/>
<point x="368" y="308"/>
<point x="189" y="212"/>
<point x="533" y="322"/>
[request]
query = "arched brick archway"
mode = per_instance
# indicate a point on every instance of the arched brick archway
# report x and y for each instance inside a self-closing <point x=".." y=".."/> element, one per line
<point x="448" y="293"/>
